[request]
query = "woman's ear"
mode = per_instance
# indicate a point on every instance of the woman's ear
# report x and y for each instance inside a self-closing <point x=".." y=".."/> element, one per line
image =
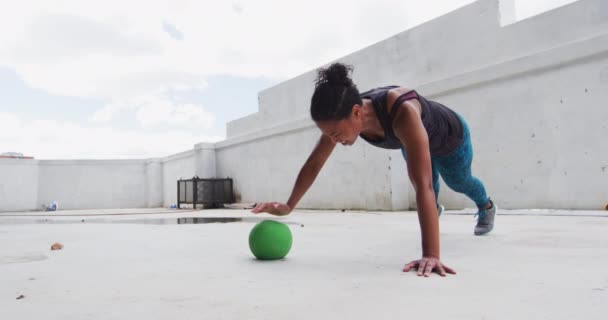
<point x="356" y="112"/>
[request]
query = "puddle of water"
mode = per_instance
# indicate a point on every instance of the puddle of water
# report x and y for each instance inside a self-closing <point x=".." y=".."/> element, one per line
<point x="198" y="220"/>
<point x="158" y="221"/>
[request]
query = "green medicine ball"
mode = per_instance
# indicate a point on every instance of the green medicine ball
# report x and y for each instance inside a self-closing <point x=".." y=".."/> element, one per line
<point x="270" y="240"/>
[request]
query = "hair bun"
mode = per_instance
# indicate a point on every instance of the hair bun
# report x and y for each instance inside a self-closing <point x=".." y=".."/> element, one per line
<point x="335" y="74"/>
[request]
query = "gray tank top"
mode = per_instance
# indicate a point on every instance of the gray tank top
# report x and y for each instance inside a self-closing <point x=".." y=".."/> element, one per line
<point x="442" y="124"/>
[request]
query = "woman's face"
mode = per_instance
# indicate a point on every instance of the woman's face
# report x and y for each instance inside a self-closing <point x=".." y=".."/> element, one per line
<point x="343" y="131"/>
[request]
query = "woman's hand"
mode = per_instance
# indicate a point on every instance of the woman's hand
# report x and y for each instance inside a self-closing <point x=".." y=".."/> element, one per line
<point x="275" y="208"/>
<point x="427" y="265"/>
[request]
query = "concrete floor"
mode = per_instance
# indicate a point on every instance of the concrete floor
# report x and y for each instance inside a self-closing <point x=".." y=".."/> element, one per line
<point x="535" y="265"/>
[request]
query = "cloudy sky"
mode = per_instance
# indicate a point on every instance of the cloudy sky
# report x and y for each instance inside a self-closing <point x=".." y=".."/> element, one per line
<point x="138" y="79"/>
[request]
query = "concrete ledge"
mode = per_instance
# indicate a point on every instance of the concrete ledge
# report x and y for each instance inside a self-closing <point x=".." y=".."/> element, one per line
<point x="543" y="61"/>
<point x="284" y="128"/>
<point x="204" y="146"/>
<point x="240" y="126"/>
<point x="90" y="162"/>
<point x="20" y="162"/>
<point x="177" y="156"/>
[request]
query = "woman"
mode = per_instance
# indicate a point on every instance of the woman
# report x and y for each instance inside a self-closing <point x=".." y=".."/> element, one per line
<point x="434" y="141"/>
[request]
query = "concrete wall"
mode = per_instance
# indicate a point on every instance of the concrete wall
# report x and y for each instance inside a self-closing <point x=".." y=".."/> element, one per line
<point x="88" y="184"/>
<point x="534" y="93"/>
<point x="18" y="184"/>
<point x="265" y="170"/>
<point x="77" y="184"/>
<point x="84" y="184"/>
<point x="95" y="184"/>
<point x="175" y="167"/>
<point x="153" y="183"/>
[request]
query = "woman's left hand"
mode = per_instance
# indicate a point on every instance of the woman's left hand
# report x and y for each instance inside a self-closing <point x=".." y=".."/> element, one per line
<point x="427" y="265"/>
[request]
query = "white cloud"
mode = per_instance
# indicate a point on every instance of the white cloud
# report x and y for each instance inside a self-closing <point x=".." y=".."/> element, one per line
<point x="154" y="111"/>
<point x="10" y="123"/>
<point x="46" y="139"/>
<point x="116" y="49"/>
<point x="58" y="37"/>
<point x="106" y="113"/>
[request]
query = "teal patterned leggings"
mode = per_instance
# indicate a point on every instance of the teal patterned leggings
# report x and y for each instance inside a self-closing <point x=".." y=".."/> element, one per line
<point x="455" y="170"/>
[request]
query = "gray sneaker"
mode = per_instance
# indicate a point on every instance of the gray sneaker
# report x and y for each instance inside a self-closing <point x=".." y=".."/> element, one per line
<point x="440" y="209"/>
<point x="485" y="220"/>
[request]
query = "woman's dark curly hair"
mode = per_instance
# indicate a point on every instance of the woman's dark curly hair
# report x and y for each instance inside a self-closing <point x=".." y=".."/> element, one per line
<point x="335" y="93"/>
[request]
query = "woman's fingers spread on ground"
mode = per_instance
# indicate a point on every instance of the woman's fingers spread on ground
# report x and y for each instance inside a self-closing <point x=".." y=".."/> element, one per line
<point x="429" y="268"/>
<point x="256" y="209"/>
<point x="449" y="270"/>
<point x="421" y="266"/>
<point x="259" y="208"/>
<point x="440" y="270"/>
<point x="410" y="266"/>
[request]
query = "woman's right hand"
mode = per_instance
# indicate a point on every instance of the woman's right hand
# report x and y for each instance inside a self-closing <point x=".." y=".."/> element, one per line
<point x="275" y="208"/>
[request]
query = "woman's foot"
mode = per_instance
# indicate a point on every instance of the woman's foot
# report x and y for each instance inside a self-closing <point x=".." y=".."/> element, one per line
<point x="485" y="220"/>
